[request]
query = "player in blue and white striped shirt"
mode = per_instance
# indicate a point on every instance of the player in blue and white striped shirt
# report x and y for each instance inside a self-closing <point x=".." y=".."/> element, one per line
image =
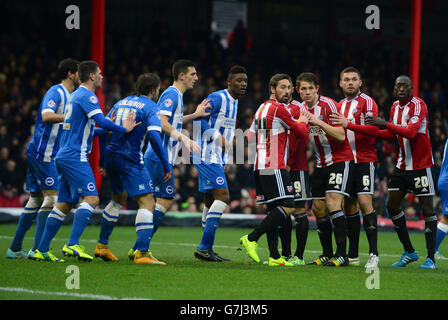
<point x="171" y="112"/>
<point x="215" y="133"/>
<point x="42" y="176"/>
<point x="75" y="176"/>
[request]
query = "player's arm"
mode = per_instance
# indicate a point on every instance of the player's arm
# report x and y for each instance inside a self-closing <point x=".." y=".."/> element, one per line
<point x="412" y="128"/>
<point x="299" y="126"/>
<point x="49" y="108"/>
<point x="108" y="125"/>
<point x="201" y="111"/>
<point x="367" y="129"/>
<point x="156" y="143"/>
<point x="176" y="135"/>
<point x="336" y="132"/>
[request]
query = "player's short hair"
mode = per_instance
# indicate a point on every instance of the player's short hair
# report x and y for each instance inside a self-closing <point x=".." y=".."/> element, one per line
<point x="181" y="66"/>
<point x="307" y="77"/>
<point x="146" y="83"/>
<point x="85" y="68"/>
<point x="65" y="66"/>
<point x="276" y="78"/>
<point x="235" y="70"/>
<point x="350" y="69"/>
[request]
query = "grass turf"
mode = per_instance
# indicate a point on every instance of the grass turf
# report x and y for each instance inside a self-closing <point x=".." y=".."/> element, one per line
<point x="186" y="278"/>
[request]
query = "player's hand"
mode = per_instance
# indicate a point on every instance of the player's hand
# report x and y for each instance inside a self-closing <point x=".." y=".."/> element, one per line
<point x="130" y="124"/>
<point x="201" y="110"/>
<point x="113" y="115"/>
<point x="339" y="119"/>
<point x="304" y="117"/>
<point x="191" y="145"/>
<point x="225" y="145"/>
<point x="312" y="119"/>
<point x="376" y="121"/>
<point x="103" y="171"/>
<point x="167" y="177"/>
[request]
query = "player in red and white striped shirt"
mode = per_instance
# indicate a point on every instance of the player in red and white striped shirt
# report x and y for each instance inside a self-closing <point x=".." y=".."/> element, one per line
<point x="272" y="182"/>
<point x="409" y="123"/>
<point x="355" y="108"/>
<point x="331" y="178"/>
<point x="297" y="166"/>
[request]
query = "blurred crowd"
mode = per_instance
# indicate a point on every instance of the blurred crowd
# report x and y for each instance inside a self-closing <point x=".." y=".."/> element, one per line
<point x="26" y="74"/>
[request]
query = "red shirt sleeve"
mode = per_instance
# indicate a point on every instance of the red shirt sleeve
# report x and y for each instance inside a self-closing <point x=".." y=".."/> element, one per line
<point x="299" y="129"/>
<point x="373" y="131"/>
<point x="413" y="125"/>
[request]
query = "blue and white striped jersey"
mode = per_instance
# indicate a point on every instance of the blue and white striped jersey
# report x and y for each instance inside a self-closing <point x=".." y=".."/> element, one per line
<point x="131" y="144"/>
<point x="170" y="104"/>
<point x="45" y="142"/>
<point x="78" y="126"/>
<point x="222" y="120"/>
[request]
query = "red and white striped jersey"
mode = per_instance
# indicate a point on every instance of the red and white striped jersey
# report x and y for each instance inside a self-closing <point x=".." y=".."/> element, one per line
<point x="326" y="149"/>
<point x="412" y="121"/>
<point x="270" y="129"/>
<point x="356" y="110"/>
<point x="297" y="145"/>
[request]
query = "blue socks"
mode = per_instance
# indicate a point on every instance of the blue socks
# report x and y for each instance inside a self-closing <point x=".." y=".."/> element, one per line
<point x="25" y="222"/>
<point x="144" y="227"/>
<point x="54" y="222"/>
<point x="442" y="230"/>
<point x="158" y="215"/>
<point x="108" y="221"/>
<point x="211" y="224"/>
<point x="40" y="224"/>
<point x="80" y="221"/>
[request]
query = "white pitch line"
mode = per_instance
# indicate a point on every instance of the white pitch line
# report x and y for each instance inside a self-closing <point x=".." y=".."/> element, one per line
<point x="67" y="294"/>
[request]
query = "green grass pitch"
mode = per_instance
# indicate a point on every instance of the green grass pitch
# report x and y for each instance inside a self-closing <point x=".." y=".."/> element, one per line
<point x="186" y="278"/>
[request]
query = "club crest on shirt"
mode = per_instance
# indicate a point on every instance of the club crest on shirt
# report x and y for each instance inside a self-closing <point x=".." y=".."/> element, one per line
<point x="93" y="99"/>
<point x="220" y="180"/>
<point x="414" y="119"/>
<point x="51" y="103"/>
<point x="167" y="103"/>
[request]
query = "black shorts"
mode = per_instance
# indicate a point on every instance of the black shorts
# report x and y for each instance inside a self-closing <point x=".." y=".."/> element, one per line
<point x="363" y="179"/>
<point x="274" y="187"/>
<point x="334" y="178"/>
<point x="419" y="182"/>
<point x="302" y="188"/>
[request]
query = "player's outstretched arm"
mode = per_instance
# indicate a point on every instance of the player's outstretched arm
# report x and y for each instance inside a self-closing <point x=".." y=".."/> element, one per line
<point x="201" y="111"/>
<point x="176" y="135"/>
<point x="108" y="125"/>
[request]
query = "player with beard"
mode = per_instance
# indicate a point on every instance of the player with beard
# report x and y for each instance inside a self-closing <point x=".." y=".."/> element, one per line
<point x="269" y="131"/>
